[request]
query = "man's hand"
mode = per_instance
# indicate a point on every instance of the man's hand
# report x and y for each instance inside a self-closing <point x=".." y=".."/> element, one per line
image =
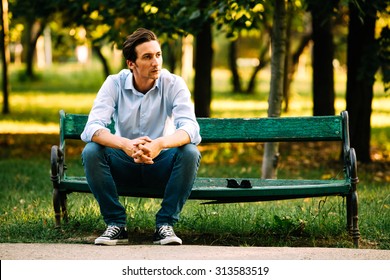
<point x="142" y="149"/>
<point x="131" y="146"/>
<point x="146" y="152"/>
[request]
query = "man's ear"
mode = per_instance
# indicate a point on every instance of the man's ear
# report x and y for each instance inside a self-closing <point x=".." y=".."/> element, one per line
<point x="130" y="64"/>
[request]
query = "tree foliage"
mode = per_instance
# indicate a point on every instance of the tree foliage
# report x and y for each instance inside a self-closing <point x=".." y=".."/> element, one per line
<point x="35" y="15"/>
<point x="109" y="21"/>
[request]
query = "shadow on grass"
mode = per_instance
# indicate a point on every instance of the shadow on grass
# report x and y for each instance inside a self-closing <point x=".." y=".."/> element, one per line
<point x="33" y="150"/>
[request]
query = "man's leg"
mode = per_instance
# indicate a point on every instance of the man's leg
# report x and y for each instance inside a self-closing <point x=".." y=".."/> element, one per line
<point x="97" y="170"/>
<point x="177" y="169"/>
<point x="100" y="165"/>
<point x="179" y="186"/>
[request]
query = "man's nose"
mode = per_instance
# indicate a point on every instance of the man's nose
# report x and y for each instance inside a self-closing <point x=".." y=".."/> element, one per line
<point x="155" y="60"/>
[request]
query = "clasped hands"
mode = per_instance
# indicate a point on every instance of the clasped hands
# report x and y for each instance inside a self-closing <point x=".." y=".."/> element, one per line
<point x="144" y="150"/>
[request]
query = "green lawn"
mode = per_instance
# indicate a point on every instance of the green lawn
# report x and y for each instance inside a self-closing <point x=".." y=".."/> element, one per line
<point x="26" y="135"/>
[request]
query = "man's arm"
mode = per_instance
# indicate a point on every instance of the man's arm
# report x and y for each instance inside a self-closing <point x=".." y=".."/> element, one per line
<point x="106" y="138"/>
<point x="146" y="152"/>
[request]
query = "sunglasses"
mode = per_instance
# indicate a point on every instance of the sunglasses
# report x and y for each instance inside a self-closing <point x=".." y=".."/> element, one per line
<point x="232" y="183"/>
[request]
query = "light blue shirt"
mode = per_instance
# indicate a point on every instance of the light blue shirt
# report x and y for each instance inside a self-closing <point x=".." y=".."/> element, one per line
<point x="165" y="107"/>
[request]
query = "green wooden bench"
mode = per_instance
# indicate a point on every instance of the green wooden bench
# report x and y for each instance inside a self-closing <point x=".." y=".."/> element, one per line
<point x="215" y="190"/>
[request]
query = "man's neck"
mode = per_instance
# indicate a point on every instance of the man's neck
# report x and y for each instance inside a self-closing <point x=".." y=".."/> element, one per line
<point x="143" y="86"/>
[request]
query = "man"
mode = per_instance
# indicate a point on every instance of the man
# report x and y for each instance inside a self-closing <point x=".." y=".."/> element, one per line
<point x="154" y="144"/>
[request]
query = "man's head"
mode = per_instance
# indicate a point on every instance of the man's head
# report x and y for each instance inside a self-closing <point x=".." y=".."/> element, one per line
<point x="143" y="57"/>
<point x="141" y="35"/>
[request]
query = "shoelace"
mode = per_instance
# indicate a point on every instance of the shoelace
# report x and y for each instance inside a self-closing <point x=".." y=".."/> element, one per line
<point x="166" y="231"/>
<point x="111" y="231"/>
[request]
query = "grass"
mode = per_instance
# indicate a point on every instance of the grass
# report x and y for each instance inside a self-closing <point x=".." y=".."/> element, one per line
<point x="26" y="213"/>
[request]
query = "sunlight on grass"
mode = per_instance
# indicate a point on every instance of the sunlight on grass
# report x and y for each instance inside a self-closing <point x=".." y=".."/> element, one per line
<point x="28" y="127"/>
<point x="36" y="112"/>
<point x="34" y="100"/>
<point x="34" y="105"/>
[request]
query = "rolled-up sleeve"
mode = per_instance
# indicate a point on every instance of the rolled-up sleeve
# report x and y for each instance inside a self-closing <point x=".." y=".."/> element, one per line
<point x="184" y="115"/>
<point x="102" y="110"/>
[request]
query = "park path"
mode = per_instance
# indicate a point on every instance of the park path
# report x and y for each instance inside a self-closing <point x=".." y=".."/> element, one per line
<point x="34" y="251"/>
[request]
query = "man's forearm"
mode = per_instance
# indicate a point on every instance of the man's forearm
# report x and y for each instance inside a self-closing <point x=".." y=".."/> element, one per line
<point x="105" y="138"/>
<point x="178" y="139"/>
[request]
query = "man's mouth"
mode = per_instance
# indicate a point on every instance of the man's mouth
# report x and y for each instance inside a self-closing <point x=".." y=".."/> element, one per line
<point x="155" y="71"/>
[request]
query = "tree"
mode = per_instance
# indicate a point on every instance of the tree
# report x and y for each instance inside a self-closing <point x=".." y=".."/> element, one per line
<point x="5" y="54"/>
<point x="291" y="66"/>
<point x="278" y="45"/>
<point x="236" y="16"/>
<point x="360" y="79"/>
<point x="293" y="53"/>
<point x="264" y="60"/>
<point x="203" y="67"/>
<point x="233" y="66"/>
<point x="384" y="56"/>
<point x="194" y="18"/>
<point x="323" y="54"/>
<point x="35" y="15"/>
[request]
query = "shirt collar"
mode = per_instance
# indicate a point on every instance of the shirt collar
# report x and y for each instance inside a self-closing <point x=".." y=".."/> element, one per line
<point x="130" y="85"/>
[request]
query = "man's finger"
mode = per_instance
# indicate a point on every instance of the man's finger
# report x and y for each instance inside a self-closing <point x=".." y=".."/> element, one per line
<point x="145" y="149"/>
<point x="143" y="159"/>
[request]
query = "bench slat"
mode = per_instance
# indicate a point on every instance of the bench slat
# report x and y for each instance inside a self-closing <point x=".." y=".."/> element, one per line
<point x="73" y="125"/>
<point x="215" y="189"/>
<point x="284" y="129"/>
<point x="214" y="130"/>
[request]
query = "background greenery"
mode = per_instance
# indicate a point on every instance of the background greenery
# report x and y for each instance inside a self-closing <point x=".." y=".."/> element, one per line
<point x="26" y="135"/>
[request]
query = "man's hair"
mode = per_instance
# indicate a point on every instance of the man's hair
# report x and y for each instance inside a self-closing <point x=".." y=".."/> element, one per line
<point x="141" y="35"/>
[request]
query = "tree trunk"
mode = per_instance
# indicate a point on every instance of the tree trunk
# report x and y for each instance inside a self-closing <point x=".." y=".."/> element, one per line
<point x="233" y="66"/>
<point x="294" y="60"/>
<point x="34" y="30"/>
<point x="287" y="60"/>
<point x="203" y="67"/>
<point x="360" y="81"/>
<point x="278" y="45"/>
<point x="172" y="50"/>
<point x="5" y="55"/>
<point x="103" y="60"/>
<point x="263" y="61"/>
<point x="323" y="53"/>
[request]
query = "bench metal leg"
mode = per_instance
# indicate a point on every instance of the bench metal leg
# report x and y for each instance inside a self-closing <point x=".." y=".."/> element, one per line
<point x="352" y="202"/>
<point x="350" y="211"/>
<point x="57" y="208"/>
<point x="354" y="231"/>
<point x="59" y="197"/>
<point x="63" y="199"/>
<point x="353" y="218"/>
<point x="60" y="209"/>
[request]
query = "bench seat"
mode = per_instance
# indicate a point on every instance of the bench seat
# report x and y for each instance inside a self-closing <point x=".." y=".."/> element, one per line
<point x="216" y="190"/>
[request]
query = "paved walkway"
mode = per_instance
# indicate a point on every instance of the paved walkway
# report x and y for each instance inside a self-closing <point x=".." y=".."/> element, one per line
<point x="20" y="251"/>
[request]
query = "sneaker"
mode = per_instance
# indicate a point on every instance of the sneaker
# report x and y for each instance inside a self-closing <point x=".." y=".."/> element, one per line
<point x="165" y="235"/>
<point x="113" y="235"/>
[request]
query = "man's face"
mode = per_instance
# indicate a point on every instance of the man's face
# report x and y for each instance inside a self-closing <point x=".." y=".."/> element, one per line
<point x="148" y="63"/>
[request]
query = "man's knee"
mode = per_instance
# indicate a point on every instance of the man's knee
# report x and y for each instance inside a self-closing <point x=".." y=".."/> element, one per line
<point x="91" y="151"/>
<point x="190" y="151"/>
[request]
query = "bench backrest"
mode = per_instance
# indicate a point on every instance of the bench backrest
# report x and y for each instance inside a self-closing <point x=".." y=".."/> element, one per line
<point x="214" y="130"/>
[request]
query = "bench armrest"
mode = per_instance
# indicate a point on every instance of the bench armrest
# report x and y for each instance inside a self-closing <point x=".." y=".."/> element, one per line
<point x="57" y="166"/>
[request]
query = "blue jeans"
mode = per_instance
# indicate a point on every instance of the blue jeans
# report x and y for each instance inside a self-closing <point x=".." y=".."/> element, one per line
<point x="174" y="170"/>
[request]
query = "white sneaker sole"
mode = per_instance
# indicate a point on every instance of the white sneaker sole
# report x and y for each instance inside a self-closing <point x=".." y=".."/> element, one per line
<point x="168" y="241"/>
<point x="109" y="242"/>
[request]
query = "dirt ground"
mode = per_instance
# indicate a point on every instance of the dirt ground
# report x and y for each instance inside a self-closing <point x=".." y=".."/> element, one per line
<point x="21" y="251"/>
